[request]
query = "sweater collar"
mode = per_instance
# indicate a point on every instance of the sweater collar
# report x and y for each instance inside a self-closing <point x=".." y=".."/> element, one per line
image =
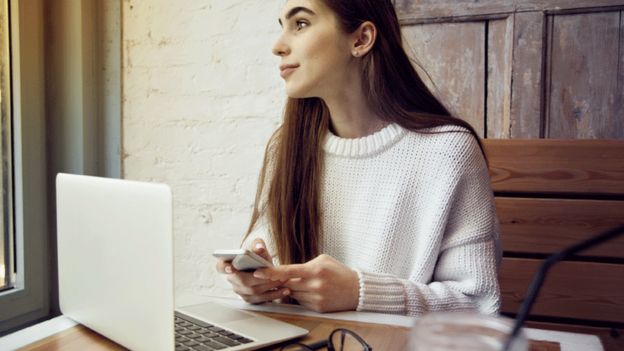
<point x="364" y="146"/>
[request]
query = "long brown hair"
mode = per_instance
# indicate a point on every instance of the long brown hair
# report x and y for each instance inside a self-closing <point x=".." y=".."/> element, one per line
<point x="289" y="185"/>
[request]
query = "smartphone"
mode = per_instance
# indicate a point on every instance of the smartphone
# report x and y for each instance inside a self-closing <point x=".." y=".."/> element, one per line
<point x="242" y="260"/>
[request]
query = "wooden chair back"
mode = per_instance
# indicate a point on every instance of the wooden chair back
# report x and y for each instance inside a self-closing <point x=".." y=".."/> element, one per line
<point x="551" y="194"/>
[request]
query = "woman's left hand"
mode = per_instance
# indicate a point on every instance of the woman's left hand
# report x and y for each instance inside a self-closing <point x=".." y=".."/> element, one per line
<point x="322" y="284"/>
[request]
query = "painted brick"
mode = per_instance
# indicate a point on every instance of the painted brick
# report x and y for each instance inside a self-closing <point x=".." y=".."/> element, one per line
<point x="201" y="97"/>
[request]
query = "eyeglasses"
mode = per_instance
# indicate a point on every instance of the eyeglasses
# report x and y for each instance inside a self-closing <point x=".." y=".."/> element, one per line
<point x="339" y="340"/>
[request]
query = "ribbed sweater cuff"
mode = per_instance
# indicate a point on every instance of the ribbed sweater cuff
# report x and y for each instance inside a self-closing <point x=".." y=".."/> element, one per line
<point x="380" y="293"/>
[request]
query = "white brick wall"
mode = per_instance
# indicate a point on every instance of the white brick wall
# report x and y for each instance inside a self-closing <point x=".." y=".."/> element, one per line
<point x="201" y="97"/>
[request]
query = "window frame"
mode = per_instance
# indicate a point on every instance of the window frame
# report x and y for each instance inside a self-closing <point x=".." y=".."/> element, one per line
<point x="6" y="154"/>
<point x="29" y="301"/>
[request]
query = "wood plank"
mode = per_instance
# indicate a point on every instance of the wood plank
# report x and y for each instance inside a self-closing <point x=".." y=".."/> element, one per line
<point x="453" y="56"/>
<point x="419" y="11"/>
<point x="526" y="102"/>
<point x="584" y="77"/>
<point x="549" y="225"/>
<point x="500" y="38"/>
<point x="581" y="290"/>
<point x="77" y="338"/>
<point x="378" y="336"/>
<point x="594" y="167"/>
<point x="610" y="337"/>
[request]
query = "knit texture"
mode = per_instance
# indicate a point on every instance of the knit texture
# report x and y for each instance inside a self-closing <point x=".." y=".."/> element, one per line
<point x="413" y="214"/>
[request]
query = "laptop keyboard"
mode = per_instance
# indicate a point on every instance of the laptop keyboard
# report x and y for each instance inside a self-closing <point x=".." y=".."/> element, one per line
<point x="191" y="334"/>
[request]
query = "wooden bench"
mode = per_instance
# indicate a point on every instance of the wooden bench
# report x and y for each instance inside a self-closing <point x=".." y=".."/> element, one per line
<point x="551" y="194"/>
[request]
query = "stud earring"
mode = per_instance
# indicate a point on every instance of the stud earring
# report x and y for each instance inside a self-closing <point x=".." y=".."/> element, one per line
<point x="356" y="54"/>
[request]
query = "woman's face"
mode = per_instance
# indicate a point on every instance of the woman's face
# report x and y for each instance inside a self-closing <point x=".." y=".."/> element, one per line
<point x="315" y="52"/>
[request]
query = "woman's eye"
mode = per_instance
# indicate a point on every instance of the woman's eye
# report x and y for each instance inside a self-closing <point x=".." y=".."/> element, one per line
<point x="301" y="25"/>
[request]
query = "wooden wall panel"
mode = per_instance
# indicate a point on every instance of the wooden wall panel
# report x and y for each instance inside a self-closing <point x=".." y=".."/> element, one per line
<point x="583" y="77"/>
<point x="453" y="55"/>
<point x="499" y="54"/>
<point x="549" y="225"/>
<point x="584" y="290"/>
<point x="526" y="108"/>
<point x="415" y="11"/>
<point x="619" y="99"/>
<point x="564" y="78"/>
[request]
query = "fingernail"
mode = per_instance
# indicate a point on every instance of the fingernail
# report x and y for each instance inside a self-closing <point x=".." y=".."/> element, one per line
<point x="286" y="292"/>
<point x="259" y="274"/>
<point x="228" y="269"/>
<point x="259" y="246"/>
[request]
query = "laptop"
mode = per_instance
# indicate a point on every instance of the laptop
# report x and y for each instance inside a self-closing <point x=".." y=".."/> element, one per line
<point x="115" y="262"/>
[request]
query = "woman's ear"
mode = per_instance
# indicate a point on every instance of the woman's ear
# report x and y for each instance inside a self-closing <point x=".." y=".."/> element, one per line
<point x="364" y="39"/>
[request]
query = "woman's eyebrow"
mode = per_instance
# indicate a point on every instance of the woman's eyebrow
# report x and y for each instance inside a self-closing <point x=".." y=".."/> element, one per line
<point x="294" y="11"/>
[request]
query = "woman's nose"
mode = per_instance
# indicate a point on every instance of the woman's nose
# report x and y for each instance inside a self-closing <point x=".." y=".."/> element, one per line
<point x="280" y="48"/>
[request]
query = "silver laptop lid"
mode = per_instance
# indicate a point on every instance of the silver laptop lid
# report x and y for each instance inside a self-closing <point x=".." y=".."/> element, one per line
<point x="115" y="258"/>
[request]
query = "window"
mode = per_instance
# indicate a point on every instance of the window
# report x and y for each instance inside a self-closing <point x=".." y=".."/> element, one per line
<point x="24" y="298"/>
<point x="82" y="118"/>
<point x="6" y="172"/>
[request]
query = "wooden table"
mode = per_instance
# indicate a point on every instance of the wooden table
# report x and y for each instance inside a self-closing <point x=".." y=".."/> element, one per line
<point x="380" y="336"/>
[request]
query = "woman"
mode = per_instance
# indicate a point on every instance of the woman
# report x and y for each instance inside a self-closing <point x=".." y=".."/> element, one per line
<point x="371" y="197"/>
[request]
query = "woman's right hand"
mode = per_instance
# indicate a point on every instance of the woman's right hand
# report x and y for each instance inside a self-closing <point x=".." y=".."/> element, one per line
<point x="251" y="289"/>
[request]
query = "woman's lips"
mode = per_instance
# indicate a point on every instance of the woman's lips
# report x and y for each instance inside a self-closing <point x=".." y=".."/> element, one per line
<point x="286" y="70"/>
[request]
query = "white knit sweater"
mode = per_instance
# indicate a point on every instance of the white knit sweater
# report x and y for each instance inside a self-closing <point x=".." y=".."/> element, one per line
<point x="413" y="214"/>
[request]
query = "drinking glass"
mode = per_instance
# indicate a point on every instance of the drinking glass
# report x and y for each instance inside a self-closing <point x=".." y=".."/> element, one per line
<point x="454" y="331"/>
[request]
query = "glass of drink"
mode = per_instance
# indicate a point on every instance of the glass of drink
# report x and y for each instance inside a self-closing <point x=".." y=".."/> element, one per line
<point x="459" y="331"/>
